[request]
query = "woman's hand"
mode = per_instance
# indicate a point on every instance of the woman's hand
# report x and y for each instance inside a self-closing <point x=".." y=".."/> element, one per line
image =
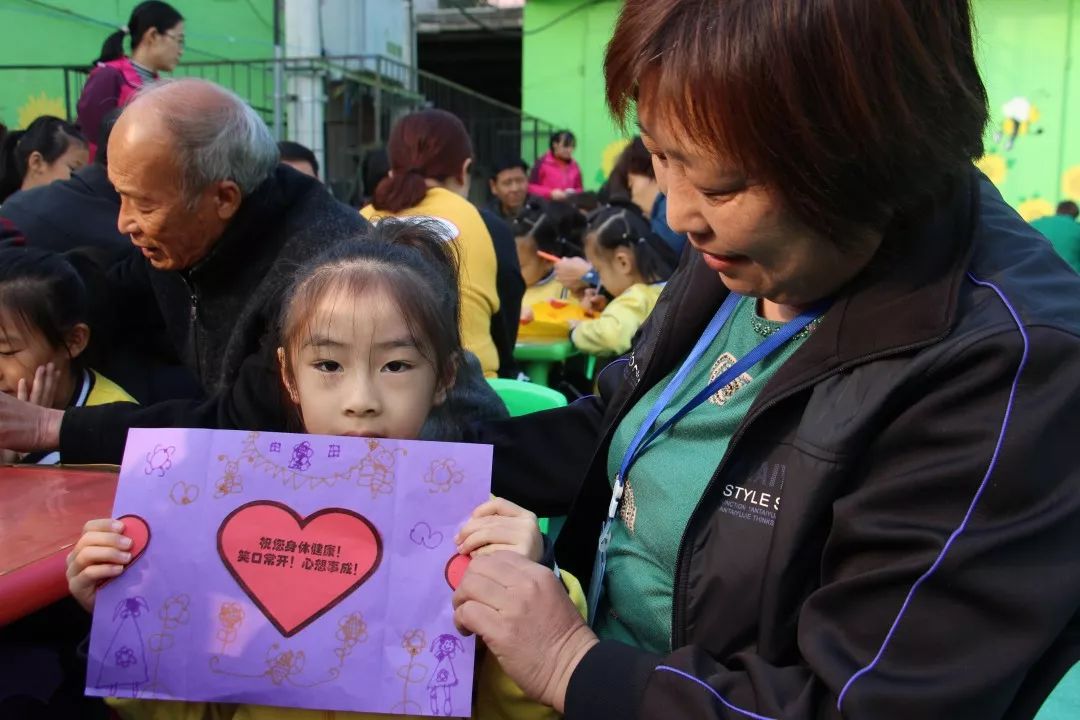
<point x="558" y="194"/>
<point x="497" y="525"/>
<point x="522" y="613"/>
<point x="570" y="271"/>
<point x="101" y="554"/>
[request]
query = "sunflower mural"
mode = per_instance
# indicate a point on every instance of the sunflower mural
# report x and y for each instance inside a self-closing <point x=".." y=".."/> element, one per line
<point x="994" y="167"/>
<point x="1070" y="183"/>
<point x="1034" y="208"/>
<point x="608" y="158"/>
<point x="38" y="105"/>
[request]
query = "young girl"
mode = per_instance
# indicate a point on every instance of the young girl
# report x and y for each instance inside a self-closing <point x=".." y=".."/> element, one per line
<point x="369" y="347"/>
<point x="633" y="265"/>
<point x="557" y="175"/>
<point x="43" y="334"/>
<point x="542" y="232"/>
<point x="48" y="149"/>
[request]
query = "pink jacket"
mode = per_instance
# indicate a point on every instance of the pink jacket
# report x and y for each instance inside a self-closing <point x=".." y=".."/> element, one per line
<point x="552" y="173"/>
<point x="110" y="85"/>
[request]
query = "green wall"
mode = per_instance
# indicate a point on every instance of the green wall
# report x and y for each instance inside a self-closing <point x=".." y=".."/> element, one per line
<point x="70" y="32"/>
<point x="1028" y="49"/>
<point x="563" y="78"/>
<point x="1031" y="50"/>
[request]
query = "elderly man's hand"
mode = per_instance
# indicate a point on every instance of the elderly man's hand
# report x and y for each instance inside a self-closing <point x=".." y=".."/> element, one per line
<point x="26" y="427"/>
<point x="524" y="616"/>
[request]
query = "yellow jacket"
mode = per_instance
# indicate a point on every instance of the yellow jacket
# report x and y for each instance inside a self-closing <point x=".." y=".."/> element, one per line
<point x="613" y="331"/>
<point x="476" y="259"/>
<point x="547" y="289"/>
<point x="497" y="697"/>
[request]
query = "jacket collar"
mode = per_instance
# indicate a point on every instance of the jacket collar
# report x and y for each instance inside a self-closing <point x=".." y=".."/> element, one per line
<point x="94" y="180"/>
<point x="906" y="297"/>
<point x="248" y="240"/>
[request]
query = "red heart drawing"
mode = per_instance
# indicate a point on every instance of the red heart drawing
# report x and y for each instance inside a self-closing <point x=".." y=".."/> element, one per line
<point x="139" y="532"/>
<point x="299" y="584"/>
<point x="455" y="570"/>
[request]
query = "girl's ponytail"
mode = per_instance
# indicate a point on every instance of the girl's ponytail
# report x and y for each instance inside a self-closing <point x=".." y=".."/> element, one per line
<point x="11" y="176"/>
<point x="113" y="47"/>
<point x="614" y="226"/>
<point x="400" y="191"/>
<point x="429" y="144"/>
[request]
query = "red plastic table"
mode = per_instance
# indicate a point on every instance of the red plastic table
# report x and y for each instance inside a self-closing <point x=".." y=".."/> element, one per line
<point x="42" y="512"/>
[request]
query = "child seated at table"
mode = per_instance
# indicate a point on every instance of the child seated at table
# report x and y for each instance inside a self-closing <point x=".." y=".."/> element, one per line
<point x="369" y="346"/>
<point x="43" y="335"/>
<point x="545" y="233"/>
<point x="634" y="266"/>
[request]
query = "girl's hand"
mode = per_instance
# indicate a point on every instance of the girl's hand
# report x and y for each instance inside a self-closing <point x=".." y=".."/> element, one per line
<point x="558" y="194"/>
<point x="570" y="271"/>
<point x="592" y="301"/>
<point x="43" y="390"/>
<point x="501" y="525"/>
<point x="100" y="555"/>
<point x="527" y="315"/>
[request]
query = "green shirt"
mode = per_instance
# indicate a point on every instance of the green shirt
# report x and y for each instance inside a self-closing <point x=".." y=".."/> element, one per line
<point x="1064" y="234"/>
<point x="669" y="477"/>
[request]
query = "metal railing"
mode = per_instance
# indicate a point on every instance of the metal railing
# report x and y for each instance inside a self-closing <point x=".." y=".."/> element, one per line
<point x="342" y="107"/>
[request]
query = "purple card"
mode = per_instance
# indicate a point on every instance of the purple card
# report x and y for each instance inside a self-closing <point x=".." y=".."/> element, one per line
<point x="293" y="570"/>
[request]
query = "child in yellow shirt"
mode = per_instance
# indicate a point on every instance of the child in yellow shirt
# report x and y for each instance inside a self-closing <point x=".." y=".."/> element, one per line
<point x="633" y="265"/>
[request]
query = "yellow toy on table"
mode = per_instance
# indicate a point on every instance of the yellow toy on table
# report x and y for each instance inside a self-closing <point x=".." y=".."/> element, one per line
<point x="544" y="338"/>
<point x="550" y="320"/>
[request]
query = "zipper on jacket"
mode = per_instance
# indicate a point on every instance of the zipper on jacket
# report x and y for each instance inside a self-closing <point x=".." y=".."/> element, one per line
<point x="193" y="325"/>
<point x="682" y="571"/>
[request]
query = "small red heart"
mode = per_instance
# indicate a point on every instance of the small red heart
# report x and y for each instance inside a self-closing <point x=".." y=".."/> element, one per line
<point x="139" y="532"/>
<point x="295" y="594"/>
<point x="455" y="570"/>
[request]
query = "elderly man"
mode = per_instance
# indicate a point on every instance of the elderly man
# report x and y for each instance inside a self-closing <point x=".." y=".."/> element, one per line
<point x="221" y="227"/>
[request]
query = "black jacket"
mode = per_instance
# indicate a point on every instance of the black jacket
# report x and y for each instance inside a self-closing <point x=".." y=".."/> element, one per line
<point x="511" y="288"/>
<point x="221" y="316"/>
<point x="917" y="402"/>
<point x="78" y="212"/>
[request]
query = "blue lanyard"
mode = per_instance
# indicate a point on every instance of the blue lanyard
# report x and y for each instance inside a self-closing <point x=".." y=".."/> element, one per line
<point x="647" y="434"/>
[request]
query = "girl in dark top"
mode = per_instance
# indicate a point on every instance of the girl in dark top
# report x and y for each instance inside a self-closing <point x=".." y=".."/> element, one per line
<point x="48" y="149"/>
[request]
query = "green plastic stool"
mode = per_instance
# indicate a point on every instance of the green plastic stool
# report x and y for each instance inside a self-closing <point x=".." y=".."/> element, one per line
<point x="522" y="398"/>
<point x="1064" y="702"/>
<point x="537" y="358"/>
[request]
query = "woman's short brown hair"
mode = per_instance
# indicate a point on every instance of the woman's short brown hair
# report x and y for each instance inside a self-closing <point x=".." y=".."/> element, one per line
<point x="852" y="110"/>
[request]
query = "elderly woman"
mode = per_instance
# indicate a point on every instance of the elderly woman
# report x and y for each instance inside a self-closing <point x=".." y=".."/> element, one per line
<point x="836" y="476"/>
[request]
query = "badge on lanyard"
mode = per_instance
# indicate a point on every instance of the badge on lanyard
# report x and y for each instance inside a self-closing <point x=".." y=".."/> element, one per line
<point x="646" y="434"/>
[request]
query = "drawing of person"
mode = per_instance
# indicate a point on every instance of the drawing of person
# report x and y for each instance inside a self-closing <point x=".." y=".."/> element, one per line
<point x="124" y="662"/>
<point x="444" y="647"/>
<point x="301" y="456"/>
